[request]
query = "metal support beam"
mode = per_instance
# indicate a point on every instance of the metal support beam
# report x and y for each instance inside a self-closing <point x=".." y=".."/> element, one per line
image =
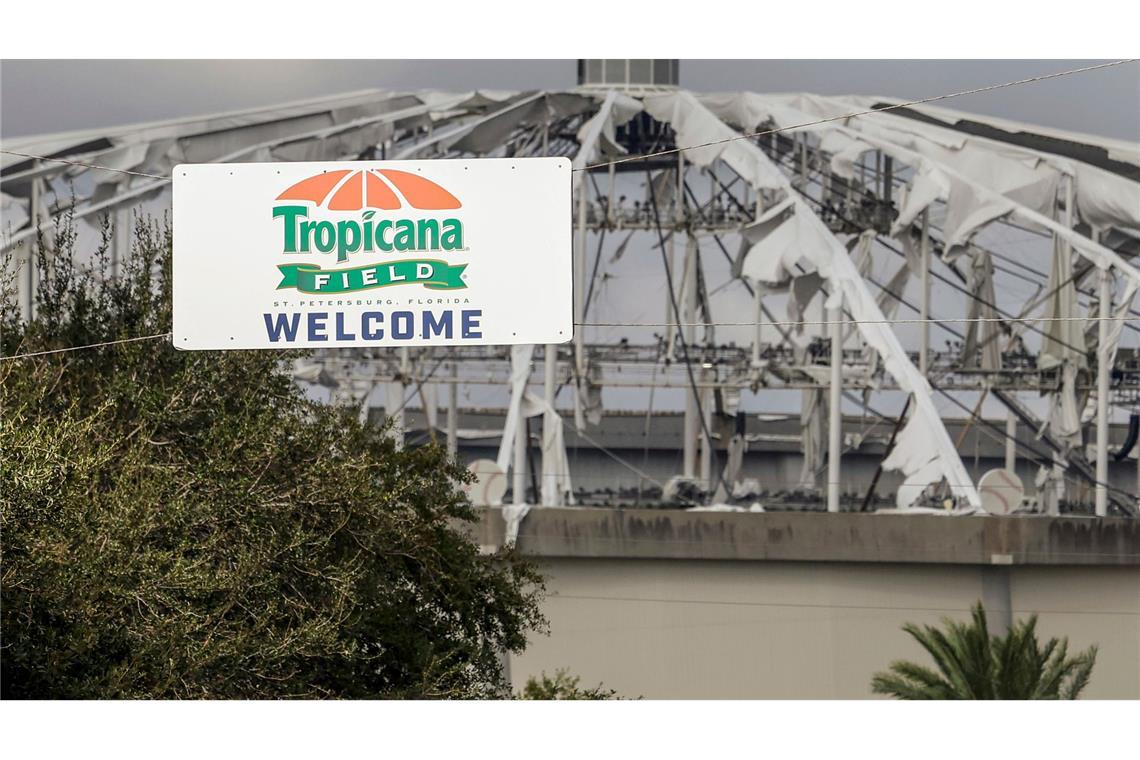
<point x="706" y="440"/>
<point x="399" y="416"/>
<point x="758" y="297"/>
<point x="1102" y="374"/>
<point x="924" y="304"/>
<point x="1011" y="442"/>
<point x="552" y="496"/>
<point x="519" y="468"/>
<point x="120" y="239"/>
<point x="580" y="304"/>
<point x="835" y="389"/>
<point x="453" y="411"/>
<point x="688" y="316"/>
<point x="36" y="211"/>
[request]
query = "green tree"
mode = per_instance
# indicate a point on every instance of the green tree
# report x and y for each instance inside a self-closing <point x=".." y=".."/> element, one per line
<point x="188" y="524"/>
<point x="562" y="686"/>
<point x="973" y="664"/>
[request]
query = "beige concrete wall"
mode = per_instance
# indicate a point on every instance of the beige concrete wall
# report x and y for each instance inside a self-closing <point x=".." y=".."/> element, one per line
<point x="708" y="629"/>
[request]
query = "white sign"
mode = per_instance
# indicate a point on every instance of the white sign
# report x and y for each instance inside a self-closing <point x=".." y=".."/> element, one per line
<point x="372" y="253"/>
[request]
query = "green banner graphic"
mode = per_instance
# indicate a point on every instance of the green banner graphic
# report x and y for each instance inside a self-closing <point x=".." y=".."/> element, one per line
<point x="431" y="273"/>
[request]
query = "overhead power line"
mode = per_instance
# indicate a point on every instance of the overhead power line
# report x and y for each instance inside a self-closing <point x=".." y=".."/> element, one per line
<point x="82" y="348"/>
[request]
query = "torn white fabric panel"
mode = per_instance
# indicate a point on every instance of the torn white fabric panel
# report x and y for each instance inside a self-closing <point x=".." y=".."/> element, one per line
<point x="813" y="409"/>
<point x="822" y="252"/>
<point x="513" y="515"/>
<point x="1105" y="199"/>
<point x="122" y="157"/>
<point x="911" y="243"/>
<point x="556" y="486"/>
<point x="967" y="211"/>
<point x="430" y="399"/>
<point x="555" y="463"/>
<point x="987" y="201"/>
<point x="1064" y="340"/>
<point x="1101" y="256"/>
<point x="845" y="152"/>
<point x="492" y="131"/>
<point x="1064" y="411"/>
<point x="486" y="98"/>
<point x="800" y="295"/>
<point x="696" y="125"/>
<point x="981" y="347"/>
<point x="918" y="477"/>
<point x="928" y="186"/>
<point x="780" y="238"/>
<point x="1027" y="176"/>
<point x="744" y="110"/>
<point x="597" y="137"/>
<point x="749" y="112"/>
<point x="499" y="122"/>
<point x="520" y="370"/>
<point x="62" y="142"/>
<point x="1116" y="326"/>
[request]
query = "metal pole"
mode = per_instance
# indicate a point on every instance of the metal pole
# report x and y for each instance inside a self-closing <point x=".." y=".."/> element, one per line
<point x="833" y="408"/>
<point x="688" y="315"/>
<point x="580" y="300"/>
<point x="550" y="367"/>
<point x="120" y="240"/>
<point x="1011" y="442"/>
<point x="759" y="321"/>
<point x="453" y="411"/>
<point x="30" y="272"/>
<point x="758" y="295"/>
<point x="924" y="306"/>
<point x="520" y="459"/>
<point x="706" y="441"/>
<point x="550" y="370"/>
<point x="399" y="418"/>
<point x="610" y="215"/>
<point x="1059" y="487"/>
<point x="1102" y="373"/>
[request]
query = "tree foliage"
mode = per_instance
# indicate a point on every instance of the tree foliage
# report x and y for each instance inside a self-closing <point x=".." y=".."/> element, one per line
<point x="189" y="524"/>
<point x="973" y="664"/>
<point x="563" y="686"/>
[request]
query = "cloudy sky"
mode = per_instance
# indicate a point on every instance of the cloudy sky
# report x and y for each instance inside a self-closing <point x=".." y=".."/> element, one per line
<point x="39" y="96"/>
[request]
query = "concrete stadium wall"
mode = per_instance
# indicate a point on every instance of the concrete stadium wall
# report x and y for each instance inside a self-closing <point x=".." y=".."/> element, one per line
<point x="697" y="605"/>
<point x="700" y="629"/>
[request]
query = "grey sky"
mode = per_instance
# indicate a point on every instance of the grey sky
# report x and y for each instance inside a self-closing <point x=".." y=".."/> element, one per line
<point x="40" y="96"/>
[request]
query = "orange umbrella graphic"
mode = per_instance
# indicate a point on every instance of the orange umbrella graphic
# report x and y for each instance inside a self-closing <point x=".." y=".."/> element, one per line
<point x="348" y="190"/>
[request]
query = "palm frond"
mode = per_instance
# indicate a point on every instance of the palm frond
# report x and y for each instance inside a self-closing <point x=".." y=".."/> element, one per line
<point x="1079" y="673"/>
<point x="973" y="664"/>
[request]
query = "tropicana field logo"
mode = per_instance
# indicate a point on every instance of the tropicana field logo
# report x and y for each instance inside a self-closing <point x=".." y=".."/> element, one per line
<point x="336" y="212"/>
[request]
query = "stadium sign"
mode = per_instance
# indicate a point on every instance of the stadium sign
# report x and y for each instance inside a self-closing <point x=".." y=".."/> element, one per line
<point x="372" y="253"/>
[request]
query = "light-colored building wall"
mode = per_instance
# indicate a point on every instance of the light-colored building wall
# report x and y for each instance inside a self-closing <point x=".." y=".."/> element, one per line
<point x="667" y="603"/>
<point x="708" y="629"/>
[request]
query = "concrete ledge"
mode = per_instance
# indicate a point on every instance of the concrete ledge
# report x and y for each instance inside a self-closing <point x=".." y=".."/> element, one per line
<point x="819" y="537"/>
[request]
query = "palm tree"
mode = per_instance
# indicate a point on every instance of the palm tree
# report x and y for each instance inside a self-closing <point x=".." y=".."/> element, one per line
<point x="973" y="664"/>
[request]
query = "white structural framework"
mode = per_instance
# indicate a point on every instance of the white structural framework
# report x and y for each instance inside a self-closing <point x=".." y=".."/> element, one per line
<point x="723" y="248"/>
